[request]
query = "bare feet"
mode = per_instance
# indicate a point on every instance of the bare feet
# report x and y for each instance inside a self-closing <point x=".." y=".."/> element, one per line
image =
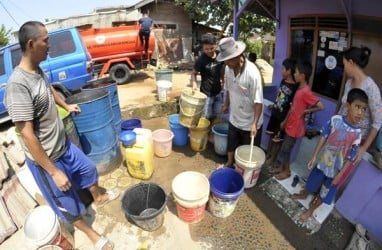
<point x="315" y="203"/>
<point x="302" y="195"/>
<point x="275" y="170"/>
<point x="283" y="175"/>
<point x="305" y="216"/>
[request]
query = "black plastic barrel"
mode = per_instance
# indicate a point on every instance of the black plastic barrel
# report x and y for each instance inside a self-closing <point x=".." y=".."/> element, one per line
<point x="111" y="86"/>
<point x="144" y="204"/>
<point x="96" y="130"/>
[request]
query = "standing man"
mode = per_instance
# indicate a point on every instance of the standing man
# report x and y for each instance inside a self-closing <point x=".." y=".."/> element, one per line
<point x="244" y="97"/>
<point x="58" y="166"/>
<point x="145" y="24"/>
<point x="210" y="72"/>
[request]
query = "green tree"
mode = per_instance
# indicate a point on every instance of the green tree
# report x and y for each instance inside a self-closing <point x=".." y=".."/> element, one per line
<point x="4" y="35"/>
<point x="211" y="13"/>
<point x="220" y="13"/>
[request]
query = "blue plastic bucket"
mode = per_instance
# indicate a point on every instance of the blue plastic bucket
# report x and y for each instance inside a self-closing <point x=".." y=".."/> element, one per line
<point x="220" y="131"/>
<point x="180" y="132"/>
<point x="111" y="86"/>
<point x="226" y="187"/>
<point x="131" y="124"/>
<point x="96" y="130"/>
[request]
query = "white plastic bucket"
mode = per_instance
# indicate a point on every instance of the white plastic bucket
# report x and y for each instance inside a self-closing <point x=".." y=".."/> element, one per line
<point x="42" y="227"/>
<point x="191" y="191"/>
<point x="249" y="170"/>
<point x="164" y="89"/>
<point x="163" y="142"/>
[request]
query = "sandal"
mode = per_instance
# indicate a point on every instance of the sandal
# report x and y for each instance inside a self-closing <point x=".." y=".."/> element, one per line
<point x="112" y="195"/>
<point x="103" y="244"/>
<point x="224" y="166"/>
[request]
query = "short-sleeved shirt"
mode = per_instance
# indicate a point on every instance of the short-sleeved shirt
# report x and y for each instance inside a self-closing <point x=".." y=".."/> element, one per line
<point x="373" y="115"/>
<point x="146" y="23"/>
<point x="28" y="97"/>
<point x="245" y="90"/>
<point x="210" y="72"/>
<point x="284" y="98"/>
<point x="295" y="124"/>
<point x="342" y="142"/>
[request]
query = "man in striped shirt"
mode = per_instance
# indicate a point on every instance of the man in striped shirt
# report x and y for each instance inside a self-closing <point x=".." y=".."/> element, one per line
<point x="57" y="165"/>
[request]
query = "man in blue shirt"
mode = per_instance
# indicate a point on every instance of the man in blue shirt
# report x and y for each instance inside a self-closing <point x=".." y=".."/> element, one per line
<point x="144" y="31"/>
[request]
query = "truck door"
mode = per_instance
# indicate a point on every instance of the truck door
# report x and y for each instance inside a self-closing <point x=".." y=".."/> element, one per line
<point x="67" y="60"/>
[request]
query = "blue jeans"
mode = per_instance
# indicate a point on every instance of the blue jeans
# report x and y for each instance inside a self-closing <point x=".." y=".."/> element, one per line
<point x="213" y="106"/>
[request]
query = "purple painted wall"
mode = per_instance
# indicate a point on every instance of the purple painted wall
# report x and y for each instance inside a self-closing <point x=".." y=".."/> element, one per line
<point x="301" y="7"/>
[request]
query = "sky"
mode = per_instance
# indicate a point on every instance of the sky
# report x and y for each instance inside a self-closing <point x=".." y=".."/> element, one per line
<point x="21" y="11"/>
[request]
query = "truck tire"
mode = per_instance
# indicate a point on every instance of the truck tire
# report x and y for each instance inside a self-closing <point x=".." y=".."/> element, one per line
<point x="120" y="73"/>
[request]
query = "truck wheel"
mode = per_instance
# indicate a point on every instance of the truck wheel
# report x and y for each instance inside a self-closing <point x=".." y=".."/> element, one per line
<point x="120" y="73"/>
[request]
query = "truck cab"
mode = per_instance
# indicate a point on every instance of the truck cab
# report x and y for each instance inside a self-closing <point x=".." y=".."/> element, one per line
<point x="68" y="64"/>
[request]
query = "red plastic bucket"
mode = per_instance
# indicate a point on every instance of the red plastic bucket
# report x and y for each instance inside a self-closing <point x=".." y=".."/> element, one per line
<point x="191" y="215"/>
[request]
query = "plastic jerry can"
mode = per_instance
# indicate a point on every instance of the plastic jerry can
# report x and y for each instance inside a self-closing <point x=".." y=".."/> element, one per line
<point x="140" y="155"/>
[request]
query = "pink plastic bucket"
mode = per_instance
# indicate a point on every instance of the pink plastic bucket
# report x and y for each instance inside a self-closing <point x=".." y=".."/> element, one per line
<point x="162" y="142"/>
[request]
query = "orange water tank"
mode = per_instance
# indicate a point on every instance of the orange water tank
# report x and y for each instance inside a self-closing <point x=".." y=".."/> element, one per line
<point x="111" y="41"/>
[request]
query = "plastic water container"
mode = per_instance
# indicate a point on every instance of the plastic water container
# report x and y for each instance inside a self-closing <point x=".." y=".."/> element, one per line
<point x="191" y="191"/>
<point x="191" y="104"/>
<point x="226" y="187"/>
<point x="249" y="170"/>
<point x="131" y="124"/>
<point x="199" y="135"/>
<point x="220" y="131"/>
<point x="139" y="155"/>
<point x="164" y="90"/>
<point x="180" y="132"/>
<point x="162" y="142"/>
<point x="42" y="227"/>
<point x="144" y="204"/>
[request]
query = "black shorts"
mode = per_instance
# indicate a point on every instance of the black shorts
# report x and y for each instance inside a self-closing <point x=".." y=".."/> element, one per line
<point x="238" y="137"/>
<point x="273" y="125"/>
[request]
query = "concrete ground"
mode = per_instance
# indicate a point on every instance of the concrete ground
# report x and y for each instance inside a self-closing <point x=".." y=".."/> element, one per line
<point x="256" y="223"/>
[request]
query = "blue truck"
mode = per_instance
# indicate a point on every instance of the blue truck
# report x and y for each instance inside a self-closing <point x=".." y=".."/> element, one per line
<point x="68" y="65"/>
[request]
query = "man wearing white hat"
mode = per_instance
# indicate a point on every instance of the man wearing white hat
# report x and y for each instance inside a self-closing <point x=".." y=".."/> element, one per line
<point x="244" y="97"/>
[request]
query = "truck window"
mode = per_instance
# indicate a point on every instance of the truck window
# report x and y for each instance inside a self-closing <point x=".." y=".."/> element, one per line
<point x="61" y="44"/>
<point x="2" y="66"/>
<point x="16" y="57"/>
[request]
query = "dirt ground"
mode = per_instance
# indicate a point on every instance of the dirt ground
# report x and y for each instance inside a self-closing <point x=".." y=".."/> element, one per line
<point x="256" y="223"/>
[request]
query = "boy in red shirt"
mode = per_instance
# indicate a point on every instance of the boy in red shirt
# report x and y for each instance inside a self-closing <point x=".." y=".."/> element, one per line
<point x="304" y="102"/>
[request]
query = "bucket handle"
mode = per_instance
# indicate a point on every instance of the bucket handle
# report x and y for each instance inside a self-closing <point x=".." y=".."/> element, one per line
<point x="180" y="106"/>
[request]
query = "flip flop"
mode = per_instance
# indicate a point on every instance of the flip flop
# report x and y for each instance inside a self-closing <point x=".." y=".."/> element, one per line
<point x="112" y="194"/>
<point x="224" y="166"/>
<point x="103" y="242"/>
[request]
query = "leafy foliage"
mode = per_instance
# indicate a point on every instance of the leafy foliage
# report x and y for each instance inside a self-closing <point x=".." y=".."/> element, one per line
<point x="221" y="13"/>
<point x="218" y="13"/>
<point x="4" y="35"/>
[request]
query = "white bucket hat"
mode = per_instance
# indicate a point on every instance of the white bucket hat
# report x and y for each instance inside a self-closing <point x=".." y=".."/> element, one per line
<point x="229" y="48"/>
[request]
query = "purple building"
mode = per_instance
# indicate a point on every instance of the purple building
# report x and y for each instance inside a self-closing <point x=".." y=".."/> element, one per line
<point x="319" y="31"/>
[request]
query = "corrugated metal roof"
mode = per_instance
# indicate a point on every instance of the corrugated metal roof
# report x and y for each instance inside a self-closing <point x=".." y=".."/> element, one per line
<point x="266" y="8"/>
<point x="130" y="4"/>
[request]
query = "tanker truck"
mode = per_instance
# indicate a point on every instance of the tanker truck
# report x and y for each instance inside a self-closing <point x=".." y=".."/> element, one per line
<point x="117" y="51"/>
